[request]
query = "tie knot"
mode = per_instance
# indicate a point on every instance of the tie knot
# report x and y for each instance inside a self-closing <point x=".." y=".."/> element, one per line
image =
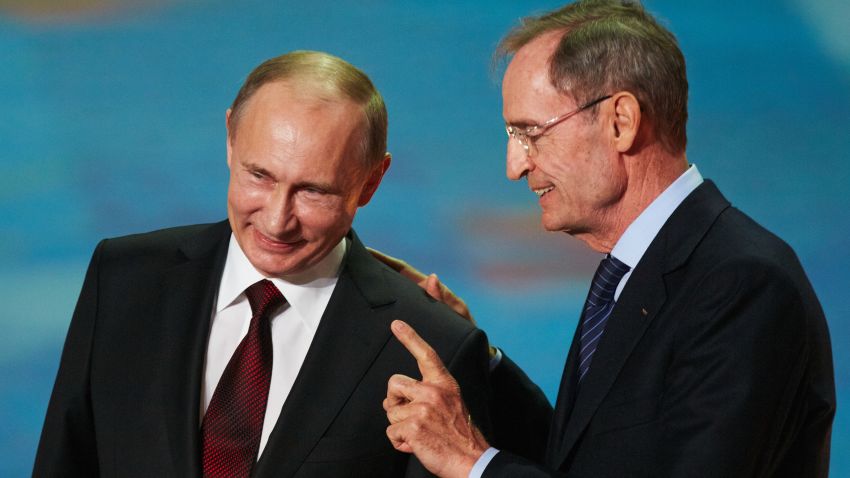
<point x="605" y="281"/>
<point x="263" y="296"/>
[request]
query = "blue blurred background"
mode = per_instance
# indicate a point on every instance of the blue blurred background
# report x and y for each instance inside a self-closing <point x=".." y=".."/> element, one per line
<point x="113" y="122"/>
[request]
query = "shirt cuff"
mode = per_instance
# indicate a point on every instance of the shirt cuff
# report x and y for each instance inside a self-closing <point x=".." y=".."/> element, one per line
<point x="484" y="460"/>
<point x="496" y="359"/>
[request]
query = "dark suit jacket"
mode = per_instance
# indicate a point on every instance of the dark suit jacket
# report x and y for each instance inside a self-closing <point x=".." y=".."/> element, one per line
<point x="715" y="362"/>
<point x="127" y="395"/>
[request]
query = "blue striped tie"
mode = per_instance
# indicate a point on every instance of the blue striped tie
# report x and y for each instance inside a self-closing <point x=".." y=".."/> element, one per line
<point x="597" y="309"/>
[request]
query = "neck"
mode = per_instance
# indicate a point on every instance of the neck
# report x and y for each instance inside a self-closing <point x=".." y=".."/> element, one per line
<point x="648" y="175"/>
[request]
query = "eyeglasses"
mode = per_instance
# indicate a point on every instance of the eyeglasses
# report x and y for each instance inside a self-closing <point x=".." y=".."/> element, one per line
<point x="526" y="136"/>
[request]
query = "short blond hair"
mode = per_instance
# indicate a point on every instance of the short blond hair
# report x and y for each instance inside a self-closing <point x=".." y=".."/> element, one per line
<point x="323" y="72"/>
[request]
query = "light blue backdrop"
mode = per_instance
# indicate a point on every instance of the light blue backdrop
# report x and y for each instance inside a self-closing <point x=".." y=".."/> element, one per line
<point x="113" y="122"/>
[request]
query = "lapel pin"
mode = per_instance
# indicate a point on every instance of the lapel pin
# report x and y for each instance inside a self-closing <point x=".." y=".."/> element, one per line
<point x="643" y="312"/>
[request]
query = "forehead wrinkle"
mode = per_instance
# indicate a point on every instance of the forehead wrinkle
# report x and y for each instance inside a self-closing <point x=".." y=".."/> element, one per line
<point x="528" y="80"/>
<point x="293" y="123"/>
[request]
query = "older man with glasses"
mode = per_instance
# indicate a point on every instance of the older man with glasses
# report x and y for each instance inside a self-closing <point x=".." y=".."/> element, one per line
<point x="702" y="349"/>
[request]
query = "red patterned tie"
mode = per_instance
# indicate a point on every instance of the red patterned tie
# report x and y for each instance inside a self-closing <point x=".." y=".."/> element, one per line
<point x="233" y="424"/>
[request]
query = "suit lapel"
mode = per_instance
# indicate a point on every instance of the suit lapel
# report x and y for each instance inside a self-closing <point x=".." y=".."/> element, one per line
<point x="635" y="309"/>
<point x="348" y="339"/>
<point x="638" y="304"/>
<point x="188" y="292"/>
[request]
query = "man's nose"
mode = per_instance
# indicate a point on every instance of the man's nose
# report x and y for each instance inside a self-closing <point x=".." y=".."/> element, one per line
<point x="518" y="163"/>
<point x="280" y="216"/>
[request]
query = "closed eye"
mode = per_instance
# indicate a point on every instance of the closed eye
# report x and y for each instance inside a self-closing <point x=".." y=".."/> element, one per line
<point x="257" y="173"/>
<point x="317" y="187"/>
<point x="314" y="190"/>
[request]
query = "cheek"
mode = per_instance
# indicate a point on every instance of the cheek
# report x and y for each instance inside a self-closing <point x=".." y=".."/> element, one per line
<point x="582" y="174"/>
<point x="250" y="205"/>
<point x="606" y="182"/>
<point x="564" y="168"/>
<point x="243" y="200"/>
<point x="586" y="158"/>
<point x="322" y="214"/>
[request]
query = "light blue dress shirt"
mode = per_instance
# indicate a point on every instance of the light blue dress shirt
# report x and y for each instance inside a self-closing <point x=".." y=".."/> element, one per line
<point x="630" y="249"/>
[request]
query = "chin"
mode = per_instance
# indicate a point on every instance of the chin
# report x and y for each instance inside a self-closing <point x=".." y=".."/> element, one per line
<point x="549" y="224"/>
<point x="279" y="272"/>
<point x="271" y="266"/>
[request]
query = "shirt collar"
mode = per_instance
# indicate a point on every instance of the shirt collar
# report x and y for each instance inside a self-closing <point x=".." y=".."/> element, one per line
<point x="640" y="233"/>
<point x="307" y="292"/>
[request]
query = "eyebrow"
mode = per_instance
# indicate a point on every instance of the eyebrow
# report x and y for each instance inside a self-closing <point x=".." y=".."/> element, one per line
<point x="327" y="187"/>
<point x="257" y="168"/>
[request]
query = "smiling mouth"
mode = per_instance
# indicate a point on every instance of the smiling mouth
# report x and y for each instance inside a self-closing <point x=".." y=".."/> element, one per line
<point x="275" y="244"/>
<point x="542" y="191"/>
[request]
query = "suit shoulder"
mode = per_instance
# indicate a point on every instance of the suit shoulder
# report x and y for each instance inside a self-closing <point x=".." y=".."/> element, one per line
<point x="739" y="256"/>
<point x="160" y="248"/>
<point x="379" y="284"/>
<point x="152" y="242"/>
<point x="423" y="312"/>
<point x="392" y="296"/>
<point x="736" y="238"/>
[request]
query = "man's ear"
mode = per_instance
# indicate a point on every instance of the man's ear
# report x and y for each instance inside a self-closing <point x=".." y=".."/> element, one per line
<point x="374" y="180"/>
<point x="229" y="129"/>
<point x="627" y="117"/>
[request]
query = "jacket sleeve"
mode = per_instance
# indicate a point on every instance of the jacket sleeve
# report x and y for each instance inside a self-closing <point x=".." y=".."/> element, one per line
<point x="68" y="446"/>
<point x="509" y="465"/>
<point x="520" y="412"/>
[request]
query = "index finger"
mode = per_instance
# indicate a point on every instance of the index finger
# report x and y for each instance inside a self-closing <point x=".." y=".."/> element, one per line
<point x="429" y="362"/>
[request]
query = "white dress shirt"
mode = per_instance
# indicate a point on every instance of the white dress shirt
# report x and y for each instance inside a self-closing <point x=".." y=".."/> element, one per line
<point x="630" y="249"/>
<point x="293" y="326"/>
<point x="631" y="246"/>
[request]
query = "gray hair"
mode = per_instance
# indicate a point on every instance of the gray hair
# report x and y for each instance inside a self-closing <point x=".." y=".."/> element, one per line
<point x="609" y="46"/>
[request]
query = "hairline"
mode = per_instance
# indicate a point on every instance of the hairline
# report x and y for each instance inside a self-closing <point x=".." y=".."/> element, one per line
<point x="534" y="27"/>
<point x="321" y="77"/>
<point x="310" y="91"/>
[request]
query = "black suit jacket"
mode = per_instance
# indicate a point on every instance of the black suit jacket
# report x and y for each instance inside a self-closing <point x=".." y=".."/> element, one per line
<point x="715" y="362"/>
<point x="127" y="396"/>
